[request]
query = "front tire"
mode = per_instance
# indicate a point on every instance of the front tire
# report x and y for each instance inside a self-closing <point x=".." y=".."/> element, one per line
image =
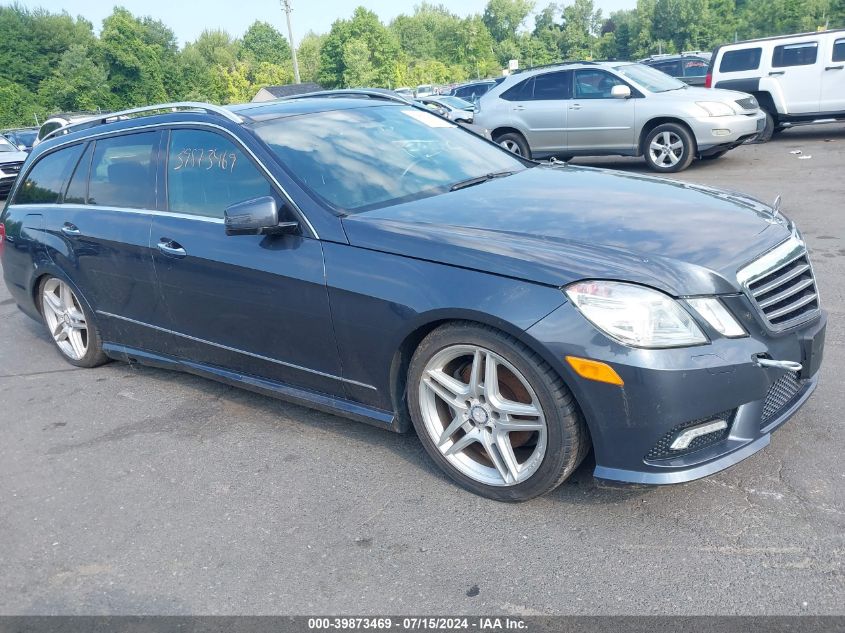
<point x="511" y="437"/>
<point x="768" y="130"/>
<point x="669" y="148"/>
<point x="515" y="143"/>
<point x="70" y="324"/>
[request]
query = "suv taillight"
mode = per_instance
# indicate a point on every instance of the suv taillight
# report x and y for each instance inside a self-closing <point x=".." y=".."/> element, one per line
<point x="2" y="237"/>
<point x="708" y="80"/>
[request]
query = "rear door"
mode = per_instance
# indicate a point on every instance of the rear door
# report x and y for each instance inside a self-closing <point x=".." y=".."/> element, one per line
<point x="797" y="69"/>
<point x="597" y="121"/>
<point x="833" y="80"/>
<point x="252" y="304"/>
<point x="101" y="236"/>
<point x="538" y="108"/>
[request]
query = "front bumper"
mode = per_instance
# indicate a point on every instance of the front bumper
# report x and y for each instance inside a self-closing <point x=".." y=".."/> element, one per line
<point x="715" y="134"/>
<point x="667" y="390"/>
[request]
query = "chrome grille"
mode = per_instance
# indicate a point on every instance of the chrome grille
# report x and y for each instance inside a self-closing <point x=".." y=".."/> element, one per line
<point x="11" y="168"/>
<point x="780" y="395"/>
<point x="748" y="103"/>
<point x="782" y="285"/>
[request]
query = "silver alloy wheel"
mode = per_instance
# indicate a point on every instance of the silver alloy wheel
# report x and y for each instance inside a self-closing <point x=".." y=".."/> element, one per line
<point x="483" y="415"/>
<point x="511" y="146"/>
<point x="666" y="149"/>
<point x="65" y="318"/>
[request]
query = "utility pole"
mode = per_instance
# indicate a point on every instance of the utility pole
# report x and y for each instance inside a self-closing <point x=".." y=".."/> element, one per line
<point x="286" y="7"/>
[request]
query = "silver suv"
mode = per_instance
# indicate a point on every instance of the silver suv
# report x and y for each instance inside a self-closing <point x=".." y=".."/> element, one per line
<point x="616" y="108"/>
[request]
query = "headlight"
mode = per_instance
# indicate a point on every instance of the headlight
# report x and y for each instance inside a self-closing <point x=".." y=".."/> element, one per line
<point x="716" y="108"/>
<point x="716" y="314"/>
<point x="635" y="315"/>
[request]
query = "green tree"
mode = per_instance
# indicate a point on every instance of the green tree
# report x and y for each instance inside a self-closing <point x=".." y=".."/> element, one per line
<point x="503" y="18"/>
<point x="263" y="43"/>
<point x="77" y="83"/>
<point x="18" y="106"/>
<point x="308" y="56"/>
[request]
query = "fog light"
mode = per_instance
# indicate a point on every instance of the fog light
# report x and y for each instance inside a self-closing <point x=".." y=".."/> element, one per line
<point x="721" y="132"/>
<point x="684" y="439"/>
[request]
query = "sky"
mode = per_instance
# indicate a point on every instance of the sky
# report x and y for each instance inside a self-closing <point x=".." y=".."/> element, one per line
<point x="189" y="19"/>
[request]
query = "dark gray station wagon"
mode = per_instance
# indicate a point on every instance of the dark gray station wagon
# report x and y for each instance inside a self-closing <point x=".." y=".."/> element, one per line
<point x="371" y="259"/>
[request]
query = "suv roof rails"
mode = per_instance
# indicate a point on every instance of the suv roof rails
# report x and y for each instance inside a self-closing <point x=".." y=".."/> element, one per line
<point x="368" y="93"/>
<point x="781" y="37"/>
<point x="110" y="117"/>
<point x="568" y="62"/>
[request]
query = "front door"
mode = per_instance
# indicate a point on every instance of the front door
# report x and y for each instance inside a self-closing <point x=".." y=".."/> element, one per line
<point x="252" y="304"/>
<point x="597" y="121"/>
<point x="833" y="80"/>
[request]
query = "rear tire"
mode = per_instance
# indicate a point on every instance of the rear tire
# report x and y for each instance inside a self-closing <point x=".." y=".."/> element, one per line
<point x="515" y="143"/>
<point x="669" y="148"/>
<point x="511" y="439"/>
<point x="70" y="324"/>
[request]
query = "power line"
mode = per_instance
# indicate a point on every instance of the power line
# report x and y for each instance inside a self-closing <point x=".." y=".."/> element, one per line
<point x="287" y="9"/>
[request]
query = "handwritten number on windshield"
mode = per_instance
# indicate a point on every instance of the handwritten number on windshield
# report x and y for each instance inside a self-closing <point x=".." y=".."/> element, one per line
<point x="207" y="159"/>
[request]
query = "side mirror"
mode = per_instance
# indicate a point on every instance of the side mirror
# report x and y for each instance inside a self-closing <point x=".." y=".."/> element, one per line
<point x="620" y="92"/>
<point x="259" y="216"/>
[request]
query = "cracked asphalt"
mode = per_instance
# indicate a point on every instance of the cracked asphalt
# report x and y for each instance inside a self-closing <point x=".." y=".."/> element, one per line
<point x="128" y="490"/>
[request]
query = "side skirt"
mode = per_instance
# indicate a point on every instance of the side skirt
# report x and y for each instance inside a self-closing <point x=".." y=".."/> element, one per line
<point x="304" y="397"/>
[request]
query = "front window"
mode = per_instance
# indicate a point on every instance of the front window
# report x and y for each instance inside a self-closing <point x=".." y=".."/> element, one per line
<point x="456" y="102"/>
<point x="649" y="78"/>
<point x="357" y="159"/>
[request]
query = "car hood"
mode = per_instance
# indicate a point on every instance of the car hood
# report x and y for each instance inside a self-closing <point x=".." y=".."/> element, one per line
<point x="695" y="93"/>
<point x="556" y="225"/>
<point x="12" y="157"/>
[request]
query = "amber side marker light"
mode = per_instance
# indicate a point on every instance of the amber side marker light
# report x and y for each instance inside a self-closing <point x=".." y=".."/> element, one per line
<point x="594" y="370"/>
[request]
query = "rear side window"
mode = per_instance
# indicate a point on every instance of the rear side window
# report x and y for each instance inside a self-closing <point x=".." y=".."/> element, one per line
<point x="523" y="91"/>
<point x="77" y="189"/>
<point x="123" y="171"/>
<point x="804" y="54"/>
<point x="839" y="50"/>
<point x="207" y="173"/>
<point x="670" y="68"/>
<point x="553" y="86"/>
<point x="44" y="182"/>
<point x="741" y="59"/>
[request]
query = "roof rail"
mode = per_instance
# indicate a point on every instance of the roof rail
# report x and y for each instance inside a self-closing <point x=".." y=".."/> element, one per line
<point x="360" y="93"/>
<point x="110" y="117"/>
<point x="568" y="62"/>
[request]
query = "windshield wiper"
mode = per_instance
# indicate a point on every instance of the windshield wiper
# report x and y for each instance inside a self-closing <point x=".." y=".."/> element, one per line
<point x="477" y="180"/>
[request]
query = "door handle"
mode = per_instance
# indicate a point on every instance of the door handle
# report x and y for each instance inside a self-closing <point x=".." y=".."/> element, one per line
<point x="575" y="106"/>
<point x="840" y="67"/>
<point x="70" y="229"/>
<point x="170" y="248"/>
<point x="777" y="73"/>
<point x="519" y="108"/>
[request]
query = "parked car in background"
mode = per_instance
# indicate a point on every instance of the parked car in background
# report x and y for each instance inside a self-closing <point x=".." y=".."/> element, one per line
<point x="517" y="315"/>
<point x="453" y="108"/>
<point x="474" y="90"/>
<point x="408" y="93"/>
<point x="691" y="68"/>
<point x="59" y="121"/>
<point x="615" y="108"/>
<point x="11" y="160"/>
<point x="425" y="90"/>
<point x="22" y="138"/>
<point x="795" y="78"/>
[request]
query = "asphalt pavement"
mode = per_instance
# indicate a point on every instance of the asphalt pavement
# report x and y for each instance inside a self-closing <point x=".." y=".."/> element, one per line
<point x="129" y="490"/>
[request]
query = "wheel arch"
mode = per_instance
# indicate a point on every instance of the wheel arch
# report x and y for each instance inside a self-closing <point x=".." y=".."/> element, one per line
<point x="506" y="129"/>
<point x="653" y="123"/>
<point x="400" y="363"/>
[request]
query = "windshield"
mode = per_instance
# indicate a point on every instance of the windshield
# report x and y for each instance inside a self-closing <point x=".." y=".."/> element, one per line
<point x="357" y="159"/>
<point x="26" y="136"/>
<point x="649" y="78"/>
<point x="456" y="102"/>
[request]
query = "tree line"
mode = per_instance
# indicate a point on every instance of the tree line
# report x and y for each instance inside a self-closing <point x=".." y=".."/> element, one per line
<point x="51" y="62"/>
